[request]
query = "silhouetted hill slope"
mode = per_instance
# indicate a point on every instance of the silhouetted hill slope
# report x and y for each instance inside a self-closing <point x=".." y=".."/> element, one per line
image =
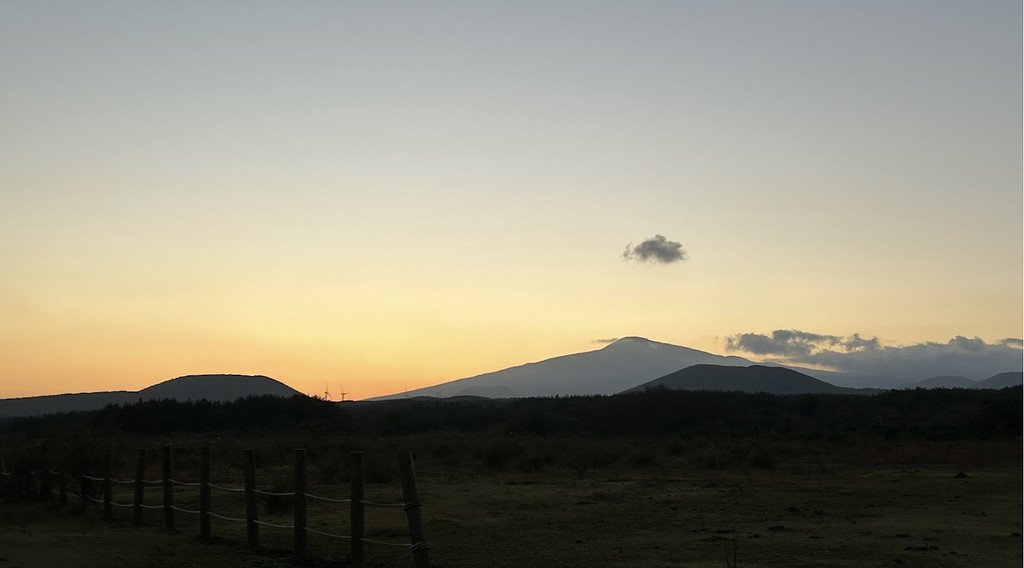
<point x="618" y="366"/>
<point x="752" y="379"/>
<point x="1001" y="381"/>
<point x="943" y="382"/>
<point x="214" y="388"/>
<point x="52" y="404"/>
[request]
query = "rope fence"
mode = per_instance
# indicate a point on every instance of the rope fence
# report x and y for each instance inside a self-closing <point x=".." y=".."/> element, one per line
<point x="100" y="490"/>
<point x="225" y="518"/>
<point x="229" y="489"/>
<point x="326" y="499"/>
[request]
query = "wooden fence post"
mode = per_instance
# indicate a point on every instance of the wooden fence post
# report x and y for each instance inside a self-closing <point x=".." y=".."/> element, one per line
<point x="45" y="483"/>
<point x="410" y="495"/>
<point x="168" y="490"/>
<point x="108" y="507"/>
<point x="204" y="493"/>
<point x="85" y="486"/>
<point x="299" y="505"/>
<point x="252" y="529"/>
<point x="357" y="512"/>
<point x="140" y="475"/>
<point x="62" y="488"/>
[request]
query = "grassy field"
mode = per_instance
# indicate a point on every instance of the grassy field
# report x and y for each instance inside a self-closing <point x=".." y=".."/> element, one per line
<point x="633" y="513"/>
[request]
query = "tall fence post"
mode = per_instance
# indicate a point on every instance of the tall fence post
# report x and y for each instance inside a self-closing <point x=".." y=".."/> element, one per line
<point x="45" y="483"/>
<point x="108" y="490"/>
<point x="299" y="505"/>
<point x="410" y="494"/>
<point x="85" y="488"/>
<point x="168" y="489"/>
<point x="140" y="475"/>
<point x="252" y="529"/>
<point x="204" y="492"/>
<point x="356" y="510"/>
<point x="62" y="488"/>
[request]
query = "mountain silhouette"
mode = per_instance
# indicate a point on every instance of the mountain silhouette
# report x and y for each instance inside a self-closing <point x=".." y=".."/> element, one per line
<point x="1001" y="381"/>
<point x="754" y="378"/>
<point x="943" y="382"/>
<point x="618" y="366"/>
<point x="215" y="388"/>
<point x="223" y="388"/>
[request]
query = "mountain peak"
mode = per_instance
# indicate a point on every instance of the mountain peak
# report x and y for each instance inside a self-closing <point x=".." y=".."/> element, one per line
<point x="632" y="340"/>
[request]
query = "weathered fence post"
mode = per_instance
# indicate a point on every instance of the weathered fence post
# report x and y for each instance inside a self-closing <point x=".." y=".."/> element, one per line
<point x="410" y="495"/>
<point x="45" y="483"/>
<point x="252" y="529"/>
<point x="356" y="510"/>
<point x="62" y="488"/>
<point x="299" y="505"/>
<point x="204" y="492"/>
<point x="140" y="475"/>
<point x="108" y="490"/>
<point x="168" y="489"/>
<point x="86" y="489"/>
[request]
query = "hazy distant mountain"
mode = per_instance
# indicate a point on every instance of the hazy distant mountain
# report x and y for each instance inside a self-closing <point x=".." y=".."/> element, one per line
<point x="944" y="382"/>
<point x="852" y="380"/>
<point x="618" y="366"/>
<point x="191" y="387"/>
<point x="1001" y="381"/>
<point x="755" y="378"/>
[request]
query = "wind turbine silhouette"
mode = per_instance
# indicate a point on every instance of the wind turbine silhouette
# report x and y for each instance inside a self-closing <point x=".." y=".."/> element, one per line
<point x="327" y="391"/>
<point x="343" y="393"/>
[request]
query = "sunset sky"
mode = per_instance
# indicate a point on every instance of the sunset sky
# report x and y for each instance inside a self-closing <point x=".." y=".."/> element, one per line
<point x="387" y="195"/>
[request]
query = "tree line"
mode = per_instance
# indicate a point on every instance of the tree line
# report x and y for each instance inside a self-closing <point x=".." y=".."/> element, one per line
<point x="935" y="414"/>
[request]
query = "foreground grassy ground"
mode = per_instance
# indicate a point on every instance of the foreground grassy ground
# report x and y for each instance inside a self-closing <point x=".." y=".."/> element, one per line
<point x="790" y="515"/>
<point x="905" y="517"/>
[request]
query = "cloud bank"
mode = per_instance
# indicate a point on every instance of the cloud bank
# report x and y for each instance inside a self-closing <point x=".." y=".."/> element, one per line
<point x="973" y="358"/>
<point x="656" y="249"/>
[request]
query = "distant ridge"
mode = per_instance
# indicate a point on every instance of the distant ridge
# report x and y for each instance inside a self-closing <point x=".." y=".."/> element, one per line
<point x="754" y="378"/>
<point x="215" y="388"/>
<point x="943" y="382"/>
<point x="617" y="366"/>
<point x="1001" y="381"/>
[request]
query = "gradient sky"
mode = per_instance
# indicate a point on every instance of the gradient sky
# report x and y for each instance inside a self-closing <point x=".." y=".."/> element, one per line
<point x="389" y="195"/>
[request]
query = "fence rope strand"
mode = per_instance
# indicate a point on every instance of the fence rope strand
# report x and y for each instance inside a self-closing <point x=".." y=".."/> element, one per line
<point x="329" y="535"/>
<point x="273" y="494"/>
<point x="372" y="504"/>
<point x="382" y="543"/>
<point x="266" y="524"/>
<point x="230" y="489"/>
<point x="223" y="518"/>
<point x="328" y="499"/>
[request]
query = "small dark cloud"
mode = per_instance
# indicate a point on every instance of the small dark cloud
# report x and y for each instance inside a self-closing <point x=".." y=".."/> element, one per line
<point x="857" y="343"/>
<point x="782" y="342"/>
<point x="972" y="357"/>
<point x="607" y="340"/>
<point x="656" y="249"/>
